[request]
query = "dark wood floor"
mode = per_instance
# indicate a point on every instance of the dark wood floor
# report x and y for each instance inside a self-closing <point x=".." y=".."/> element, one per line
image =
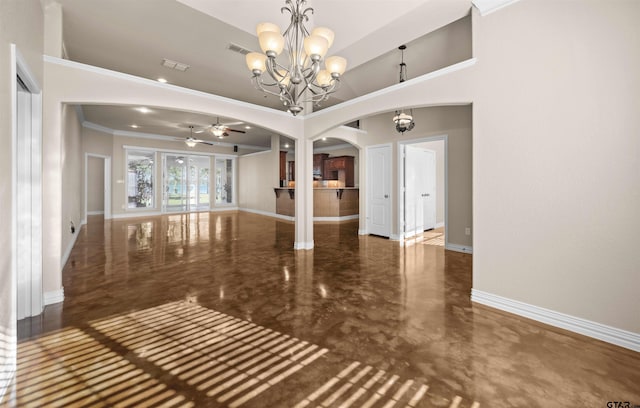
<point x="217" y="309"/>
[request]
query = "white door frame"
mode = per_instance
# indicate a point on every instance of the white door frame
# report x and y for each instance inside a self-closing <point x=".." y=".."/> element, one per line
<point x="400" y="182"/>
<point x="107" y="185"/>
<point x="20" y="68"/>
<point x="369" y="181"/>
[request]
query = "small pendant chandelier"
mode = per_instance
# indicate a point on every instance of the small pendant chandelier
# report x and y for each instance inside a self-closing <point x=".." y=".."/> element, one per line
<point x="297" y="76"/>
<point x="404" y="121"/>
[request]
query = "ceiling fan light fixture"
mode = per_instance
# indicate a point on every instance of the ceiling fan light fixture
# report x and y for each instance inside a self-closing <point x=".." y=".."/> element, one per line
<point x="191" y="142"/>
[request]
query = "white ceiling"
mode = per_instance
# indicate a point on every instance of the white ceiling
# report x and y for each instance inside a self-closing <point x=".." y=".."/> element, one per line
<point x="134" y="36"/>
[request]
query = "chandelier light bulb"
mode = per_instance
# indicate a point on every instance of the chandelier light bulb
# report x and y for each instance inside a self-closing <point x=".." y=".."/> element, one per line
<point x="256" y="62"/>
<point x="324" y="78"/>
<point x="262" y="27"/>
<point x="316" y="45"/>
<point x="190" y="142"/>
<point x="271" y="43"/>
<point x="326" y="33"/>
<point x="336" y="65"/>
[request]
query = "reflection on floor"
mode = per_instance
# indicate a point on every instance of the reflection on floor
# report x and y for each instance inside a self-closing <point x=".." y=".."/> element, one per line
<point x="218" y="310"/>
<point x="216" y="355"/>
<point x="433" y="237"/>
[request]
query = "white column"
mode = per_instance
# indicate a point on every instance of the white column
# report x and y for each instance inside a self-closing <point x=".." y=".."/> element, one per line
<point x="304" y="194"/>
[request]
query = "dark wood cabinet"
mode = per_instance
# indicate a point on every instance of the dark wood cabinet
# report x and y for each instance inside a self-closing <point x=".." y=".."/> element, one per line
<point x="340" y="168"/>
<point x="318" y="165"/>
<point x="292" y="170"/>
<point x="283" y="165"/>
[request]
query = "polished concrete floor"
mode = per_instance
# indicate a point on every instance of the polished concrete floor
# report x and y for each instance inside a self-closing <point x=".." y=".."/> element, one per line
<point x="217" y="309"/>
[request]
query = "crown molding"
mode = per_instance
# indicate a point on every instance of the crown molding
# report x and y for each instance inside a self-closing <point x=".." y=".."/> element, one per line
<point x="489" y="6"/>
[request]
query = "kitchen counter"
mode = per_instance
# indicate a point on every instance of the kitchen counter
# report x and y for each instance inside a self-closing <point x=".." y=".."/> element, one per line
<point x="329" y="203"/>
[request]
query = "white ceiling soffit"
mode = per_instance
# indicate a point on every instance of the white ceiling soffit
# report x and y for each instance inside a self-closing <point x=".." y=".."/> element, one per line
<point x="489" y="6"/>
<point x="364" y="29"/>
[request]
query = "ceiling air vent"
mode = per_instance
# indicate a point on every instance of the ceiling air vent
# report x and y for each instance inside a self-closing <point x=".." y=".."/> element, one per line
<point x="236" y="48"/>
<point x="178" y="66"/>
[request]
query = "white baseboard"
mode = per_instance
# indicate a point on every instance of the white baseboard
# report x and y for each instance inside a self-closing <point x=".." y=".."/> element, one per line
<point x="95" y="212"/>
<point x="223" y="209"/>
<point x="439" y="225"/>
<point x="83" y="222"/>
<point x="54" y="296"/>
<point x="136" y="214"/>
<point x="303" y="245"/>
<point x="268" y="214"/>
<point x="589" y="328"/>
<point x="67" y="252"/>
<point x="343" y="218"/>
<point x="395" y="237"/>
<point x="363" y="231"/>
<point x="459" y="248"/>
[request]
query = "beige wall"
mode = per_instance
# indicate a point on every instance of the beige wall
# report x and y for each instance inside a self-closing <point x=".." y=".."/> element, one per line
<point x="21" y="23"/>
<point x="257" y="176"/>
<point x="438" y="148"/>
<point x="557" y="157"/>
<point x="453" y="121"/>
<point x="72" y="178"/>
<point x="95" y="184"/>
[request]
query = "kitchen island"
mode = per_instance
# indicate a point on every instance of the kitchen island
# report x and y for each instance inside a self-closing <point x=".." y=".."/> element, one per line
<point x="329" y="203"/>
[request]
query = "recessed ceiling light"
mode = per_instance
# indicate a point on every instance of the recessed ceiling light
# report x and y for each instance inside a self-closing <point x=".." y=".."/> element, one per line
<point x="143" y="110"/>
<point x="286" y="145"/>
<point x="164" y="81"/>
<point x="324" y="139"/>
<point x="247" y="127"/>
<point x="135" y="126"/>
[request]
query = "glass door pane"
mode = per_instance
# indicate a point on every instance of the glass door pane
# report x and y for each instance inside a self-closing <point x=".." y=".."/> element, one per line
<point x="175" y="183"/>
<point x="186" y="183"/>
<point x="224" y="181"/>
<point x="199" y="183"/>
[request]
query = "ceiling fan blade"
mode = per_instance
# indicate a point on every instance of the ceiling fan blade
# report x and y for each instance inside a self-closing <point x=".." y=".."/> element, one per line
<point x="234" y="130"/>
<point x="207" y="143"/>
<point x="199" y="131"/>
<point x="233" y="123"/>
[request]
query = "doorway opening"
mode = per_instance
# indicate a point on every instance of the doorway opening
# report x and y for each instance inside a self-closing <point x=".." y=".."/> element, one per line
<point x="97" y="185"/>
<point x="423" y="190"/>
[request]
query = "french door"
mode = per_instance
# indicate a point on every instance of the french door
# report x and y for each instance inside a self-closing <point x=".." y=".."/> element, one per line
<point x="186" y="183"/>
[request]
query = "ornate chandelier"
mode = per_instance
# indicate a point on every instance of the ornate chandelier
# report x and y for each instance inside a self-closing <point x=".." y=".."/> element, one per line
<point x="297" y="76"/>
<point x="404" y="121"/>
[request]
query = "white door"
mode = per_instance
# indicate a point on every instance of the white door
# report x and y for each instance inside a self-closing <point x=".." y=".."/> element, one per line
<point x="419" y="190"/>
<point x="28" y="208"/>
<point x="429" y="193"/>
<point x="414" y="186"/>
<point x="379" y="190"/>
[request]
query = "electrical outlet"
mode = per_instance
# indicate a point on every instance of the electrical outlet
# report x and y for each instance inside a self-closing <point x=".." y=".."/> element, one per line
<point x="467" y="231"/>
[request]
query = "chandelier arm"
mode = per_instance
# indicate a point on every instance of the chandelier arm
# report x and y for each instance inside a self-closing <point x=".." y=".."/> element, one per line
<point x="270" y="92"/>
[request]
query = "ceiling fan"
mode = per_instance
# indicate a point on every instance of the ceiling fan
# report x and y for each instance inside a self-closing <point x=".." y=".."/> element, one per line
<point x="192" y="141"/>
<point x="220" y="130"/>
